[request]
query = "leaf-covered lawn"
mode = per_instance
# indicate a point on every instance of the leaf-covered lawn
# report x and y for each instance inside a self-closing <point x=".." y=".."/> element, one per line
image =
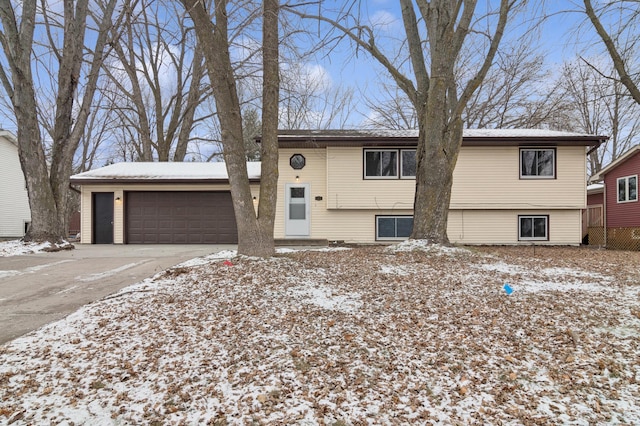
<point x="367" y="335"/>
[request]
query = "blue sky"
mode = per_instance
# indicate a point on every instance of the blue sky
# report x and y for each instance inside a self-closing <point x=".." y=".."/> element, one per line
<point x="561" y="36"/>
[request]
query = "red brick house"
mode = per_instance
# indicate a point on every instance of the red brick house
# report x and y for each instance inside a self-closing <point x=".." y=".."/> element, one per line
<point x="620" y="199"/>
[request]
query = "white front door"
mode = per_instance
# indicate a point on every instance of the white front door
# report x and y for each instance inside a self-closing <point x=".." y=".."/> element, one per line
<point x="296" y="223"/>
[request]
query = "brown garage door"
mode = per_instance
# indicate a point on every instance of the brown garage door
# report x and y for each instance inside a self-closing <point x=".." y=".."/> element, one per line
<point x="180" y="218"/>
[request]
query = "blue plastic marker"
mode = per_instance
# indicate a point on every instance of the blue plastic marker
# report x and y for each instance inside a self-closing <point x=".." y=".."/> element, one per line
<point x="507" y="288"/>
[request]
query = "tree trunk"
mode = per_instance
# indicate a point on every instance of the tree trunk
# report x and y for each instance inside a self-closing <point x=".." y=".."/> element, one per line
<point x="255" y="235"/>
<point x="438" y="146"/>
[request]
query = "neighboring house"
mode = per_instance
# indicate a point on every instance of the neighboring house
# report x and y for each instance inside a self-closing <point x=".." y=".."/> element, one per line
<point x="510" y="187"/>
<point x="593" y="215"/>
<point x="620" y="199"/>
<point x="15" y="214"/>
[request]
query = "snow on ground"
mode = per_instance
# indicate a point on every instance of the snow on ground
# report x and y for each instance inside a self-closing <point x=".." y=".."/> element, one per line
<point x="363" y="336"/>
<point x="17" y="247"/>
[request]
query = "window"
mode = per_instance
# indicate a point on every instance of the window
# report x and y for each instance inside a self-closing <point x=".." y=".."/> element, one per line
<point x="389" y="163"/>
<point x="408" y="163"/>
<point x="297" y="161"/>
<point x="628" y="189"/>
<point x="393" y="227"/>
<point x="537" y="163"/>
<point x="532" y="228"/>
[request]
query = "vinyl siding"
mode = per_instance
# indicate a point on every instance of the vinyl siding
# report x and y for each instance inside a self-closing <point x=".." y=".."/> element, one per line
<point x="14" y="210"/>
<point x="487" y="197"/>
<point x="313" y="173"/>
<point x="484" y="178"/>
<point x="465" y="227"/>
<point x="489" y="178"/>
<point x="620" y="215"/>
<point x="86" y="229"/>
<point x="501" y="226"/>
<point x="347" y="188"/>
<point x="594" y="199"/>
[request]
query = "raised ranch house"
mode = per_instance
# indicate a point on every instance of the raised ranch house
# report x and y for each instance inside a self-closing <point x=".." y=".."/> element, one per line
<point x="617" y="197"/>
<point x="15" y="214"/>
<point x="510" y="187"/>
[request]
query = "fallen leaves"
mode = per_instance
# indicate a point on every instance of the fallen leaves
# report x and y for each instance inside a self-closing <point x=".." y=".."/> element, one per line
<point x="352" y="337"/>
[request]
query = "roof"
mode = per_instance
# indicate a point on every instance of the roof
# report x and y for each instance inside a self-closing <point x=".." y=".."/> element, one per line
<point x="624" y="157"/>
<point x="9" y="136"/>
<point x="471" y="137"/>
<point x="162" y="172"/>
<point x="595" y="188"/>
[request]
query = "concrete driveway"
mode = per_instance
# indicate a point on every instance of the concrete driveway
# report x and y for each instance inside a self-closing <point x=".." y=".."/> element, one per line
<point x="36" y="289"/>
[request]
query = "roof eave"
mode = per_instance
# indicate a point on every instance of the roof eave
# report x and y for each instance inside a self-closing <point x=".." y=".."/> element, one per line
<point x="322" y="142"/>
<point x="155" y="181"/>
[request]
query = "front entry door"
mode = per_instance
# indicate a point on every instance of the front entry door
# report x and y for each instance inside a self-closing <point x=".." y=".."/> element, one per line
<point x="103" y="218"/>
<point x="297" y="210"/>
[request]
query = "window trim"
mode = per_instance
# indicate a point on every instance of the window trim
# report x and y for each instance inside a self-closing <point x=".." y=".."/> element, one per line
<point x="387" y="216"/>
<point x="399" y="163"/>
<point x="533" y="216"/>
<point x="626" y="189"/>
<point x="538" y="148"/>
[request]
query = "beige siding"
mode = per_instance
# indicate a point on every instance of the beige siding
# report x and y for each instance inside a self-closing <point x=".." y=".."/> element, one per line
<point x="313" y="173"/>
<point x="484" y="178"/>
<point x="489" y="178"/>
<point x="86" y="215"/>
<point x="465" y="227"/>
<point x="501" y="226"/>
<point x="347" y="189"/>
<point x="14" y="209"/>
<point x="487" y="196"/>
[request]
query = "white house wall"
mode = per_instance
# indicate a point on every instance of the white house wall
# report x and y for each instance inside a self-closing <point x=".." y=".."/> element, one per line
<point x="14" y="209"/>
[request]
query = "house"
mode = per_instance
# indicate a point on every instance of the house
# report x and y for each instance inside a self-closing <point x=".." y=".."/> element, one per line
<point x="619" y="196"/>
<point x="15" y="214"/>
<point x="593" y="215"/>
<point x="510" y="187"/>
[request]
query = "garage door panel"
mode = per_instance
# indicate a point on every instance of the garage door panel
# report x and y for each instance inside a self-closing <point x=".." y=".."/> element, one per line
<point x="173" y="217"/>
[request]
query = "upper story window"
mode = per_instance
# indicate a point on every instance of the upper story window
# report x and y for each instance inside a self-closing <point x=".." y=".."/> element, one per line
<point x="389" y="163"/>
<point x="297" y="161"/>
<point x="627" y="189"/>
<point x="537" y="163"/>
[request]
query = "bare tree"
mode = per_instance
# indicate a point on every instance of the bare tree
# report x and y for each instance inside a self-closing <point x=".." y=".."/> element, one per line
<point x="255" y="234"/>
<point x="158" y="73"/>
<point x="516" y="93"/>
<point x="64" y="37"/>
<point x="434" y="44"/>
<point x="597" y="103"/>
<point x="621" y="44"/>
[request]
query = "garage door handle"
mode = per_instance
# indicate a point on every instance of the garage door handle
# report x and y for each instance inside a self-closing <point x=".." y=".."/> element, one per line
<point x="112" y="222"/>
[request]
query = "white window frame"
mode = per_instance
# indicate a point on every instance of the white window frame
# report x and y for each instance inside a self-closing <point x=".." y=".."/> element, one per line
<point x="553" y="167"/>
<point x="533" y="217"/>
<point x="626" y="189"/>
<point x="396" y="238"/>
<point x="399" y="163"/>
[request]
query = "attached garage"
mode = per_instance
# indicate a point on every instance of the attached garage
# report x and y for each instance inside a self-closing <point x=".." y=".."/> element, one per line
<point x="179" y="217"/>
<point x="161" y="203"/>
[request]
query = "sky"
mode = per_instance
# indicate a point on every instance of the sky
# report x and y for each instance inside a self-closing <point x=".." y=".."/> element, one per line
<point x="561" y="35"/>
